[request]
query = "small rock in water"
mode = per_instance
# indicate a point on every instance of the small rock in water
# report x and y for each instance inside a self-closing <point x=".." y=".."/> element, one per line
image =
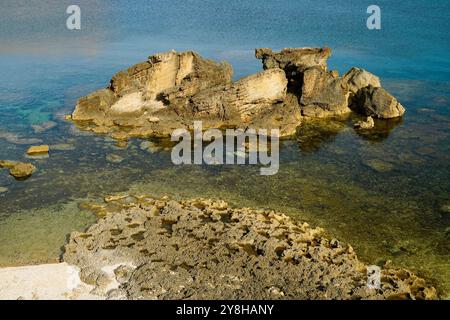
<point x="447" y="231"/>
<point x="114" y="158"/>
<point x="379" y="165"/>
<point x="3" y="189"/>
<point x="62" y="147"/>
<point x="446" y="208"/>
<point x="38" y="150"/>
<point x="144" y="145"/>
<point x="368" y="124"/>
<point x="14" y="138"/>
<point x="18" y="170"/>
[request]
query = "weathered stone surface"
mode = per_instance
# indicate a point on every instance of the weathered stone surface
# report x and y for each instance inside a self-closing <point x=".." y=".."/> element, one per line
<point x="38" y="128"/>
<point x="170" y="90"/>
<point x="378" y="103"/>
<point x="245" y="98"/>
<point x="36" y="150"/>
<point x="285" y="116"/>
<point x="357" y="79"/>
<point x="364" y="125"/>
<point x="254" y="93"/>
<point x="18" y="170"/>
<point x="323" y="95"/>
<point x="94" y="106"/>
<point x="140" y="88"/>
<point x="294" y="60"/>
<point x="172" y="75"/>
<point x="205" y="249"/>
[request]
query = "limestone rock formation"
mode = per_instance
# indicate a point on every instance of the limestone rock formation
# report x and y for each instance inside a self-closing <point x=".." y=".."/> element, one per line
<point x="171" y="90"/>
<point x="357" y="79"/>
<point x="244" y="98"/>
<point x="323" y="94"/>
<point x="378" y="103"/>
<point x="294" y="61"/>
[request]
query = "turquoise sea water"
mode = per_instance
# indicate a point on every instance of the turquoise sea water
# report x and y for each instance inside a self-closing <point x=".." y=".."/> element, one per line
<point x="386" y="193"/>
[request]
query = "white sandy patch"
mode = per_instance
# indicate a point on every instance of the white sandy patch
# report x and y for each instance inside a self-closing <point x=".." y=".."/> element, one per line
<point x="44" y="282"/>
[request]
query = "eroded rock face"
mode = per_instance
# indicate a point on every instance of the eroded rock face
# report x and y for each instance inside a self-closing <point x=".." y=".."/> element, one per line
<point x="137" y="95"/>
<point x="294" y="60"/>
<point x="323" y="94"/>
<point x="357" y="79"/>
<point x="245" y="98"/>
<point x="378" y="103"/>
<point x="171" y="90"/>
<point x="205" y="249"/>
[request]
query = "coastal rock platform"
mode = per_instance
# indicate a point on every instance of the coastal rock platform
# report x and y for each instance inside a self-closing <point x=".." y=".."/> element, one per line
<point x="206" y="249"/>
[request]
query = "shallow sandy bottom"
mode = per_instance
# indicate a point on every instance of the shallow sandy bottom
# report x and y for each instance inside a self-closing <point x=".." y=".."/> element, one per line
<point x="43" y="282"/>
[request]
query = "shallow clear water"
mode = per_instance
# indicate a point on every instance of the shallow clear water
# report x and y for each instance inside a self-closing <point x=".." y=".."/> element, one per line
<point x="384" y="193"/>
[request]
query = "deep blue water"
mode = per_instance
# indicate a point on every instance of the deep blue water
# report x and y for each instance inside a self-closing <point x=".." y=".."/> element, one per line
<point x="45" y="68"/>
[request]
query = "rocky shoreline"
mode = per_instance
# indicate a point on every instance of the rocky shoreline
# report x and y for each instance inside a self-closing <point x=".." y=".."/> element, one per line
<point x="147" y="248"/>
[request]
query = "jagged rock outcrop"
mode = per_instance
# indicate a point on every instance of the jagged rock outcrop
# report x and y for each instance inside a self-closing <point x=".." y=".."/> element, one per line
<point x="378" y="103"/>
<point x="323" y="94"/>
<point x="170" y="90"/>
<point x="365" y="125"/>
<point x="294" y="60"/>
<point x="137" y="93"/>
<point x="369" y="98"/>
<point x="357" y="79"/>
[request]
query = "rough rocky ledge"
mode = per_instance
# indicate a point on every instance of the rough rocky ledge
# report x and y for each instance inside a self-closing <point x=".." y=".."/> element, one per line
<point x="146" y="248"/>
<point x="170" y="90"/>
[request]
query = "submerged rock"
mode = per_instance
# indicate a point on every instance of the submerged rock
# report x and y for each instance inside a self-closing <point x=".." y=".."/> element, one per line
<point x="62" y="147"/>
<point x="114" y="158"/>
<point x="18" y="170"/>
<point x="379" y="165"/>
<point x="446" y="208"/>
<point x="205" y="249"/>
<point x="16" y="139"/>
<point x="3" y="189"/>
<point x="39" y="128"/>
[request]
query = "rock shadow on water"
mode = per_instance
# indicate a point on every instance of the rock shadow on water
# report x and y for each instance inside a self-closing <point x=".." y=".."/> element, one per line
<point x="381" y="131"/>
<point x="312" y="135"/>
